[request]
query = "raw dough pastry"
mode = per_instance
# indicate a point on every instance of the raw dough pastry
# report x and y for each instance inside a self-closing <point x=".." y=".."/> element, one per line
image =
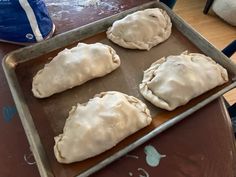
<point x="141" y="30"/>
<point x="173" y="81"/>
<point x="73" y="67"/>
<point x="99" y="125"/>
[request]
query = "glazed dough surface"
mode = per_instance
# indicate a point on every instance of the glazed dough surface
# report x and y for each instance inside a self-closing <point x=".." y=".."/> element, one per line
<point x="141" y="30"/>
<point x="73" y="67"/>
<point x="99" y="125"/>
<point x="174" y="80"/>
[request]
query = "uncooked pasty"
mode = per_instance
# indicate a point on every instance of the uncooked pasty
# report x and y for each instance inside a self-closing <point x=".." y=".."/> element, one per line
<point x="73" y="67"/>
<point x="174" y="80"/>
<point x="99" y="125"/>
<point x="141" y="30"/>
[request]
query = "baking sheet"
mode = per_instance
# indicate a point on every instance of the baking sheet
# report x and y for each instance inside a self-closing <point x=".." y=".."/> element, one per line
<point x="44" y="118"/>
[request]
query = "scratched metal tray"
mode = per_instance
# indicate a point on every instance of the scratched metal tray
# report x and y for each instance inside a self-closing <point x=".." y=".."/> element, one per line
<point x="43" y="119"/>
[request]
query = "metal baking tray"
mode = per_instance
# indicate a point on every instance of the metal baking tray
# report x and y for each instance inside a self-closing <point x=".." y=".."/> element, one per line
<point x="43" y="119"/>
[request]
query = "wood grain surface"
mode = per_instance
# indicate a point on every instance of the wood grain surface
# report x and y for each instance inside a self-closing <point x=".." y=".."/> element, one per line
<point x="213" y="28"/>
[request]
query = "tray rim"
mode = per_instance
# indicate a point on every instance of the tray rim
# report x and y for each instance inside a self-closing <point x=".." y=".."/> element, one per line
<point x="9" y="64"/>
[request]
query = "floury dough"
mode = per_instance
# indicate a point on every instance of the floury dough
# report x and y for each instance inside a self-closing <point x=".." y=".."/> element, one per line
<point x="73" y="67"/>
<point x="174" y="80"/>
<point x="100" y="124"/>
<point x="141" y="30"/>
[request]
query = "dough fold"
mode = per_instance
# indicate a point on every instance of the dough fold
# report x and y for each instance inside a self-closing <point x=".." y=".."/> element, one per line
<point x="73" y="67"/>
<point x="174" y="80"/>
<point x="141" y="30"/>
<point x="100" y="124"/>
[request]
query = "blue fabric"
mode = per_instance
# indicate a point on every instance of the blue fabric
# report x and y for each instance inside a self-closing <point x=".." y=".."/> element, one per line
<point x="42" y="16"/>
<point x="230" y="49"/>
<point x="14" y="24"/>
<point x="232" y="114"/>
<point x="169" y="3"/>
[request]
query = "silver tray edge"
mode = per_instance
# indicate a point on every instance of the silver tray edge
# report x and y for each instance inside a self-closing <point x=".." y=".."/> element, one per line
<point x="12" y="59"/>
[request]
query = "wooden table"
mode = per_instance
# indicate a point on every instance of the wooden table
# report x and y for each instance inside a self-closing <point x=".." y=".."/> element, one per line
<point x="200" y="145"/>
